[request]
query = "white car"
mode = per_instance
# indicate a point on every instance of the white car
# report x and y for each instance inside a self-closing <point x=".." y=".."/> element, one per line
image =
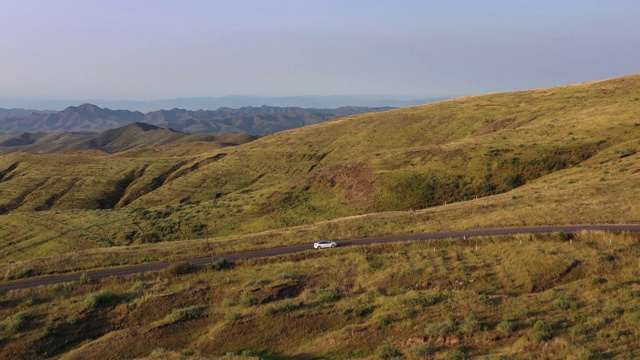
<point x="324" y="244"/>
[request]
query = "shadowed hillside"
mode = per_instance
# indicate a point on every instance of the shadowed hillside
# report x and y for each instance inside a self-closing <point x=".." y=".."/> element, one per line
<point x="135" y="135"/>
<point x="17" y="113"/>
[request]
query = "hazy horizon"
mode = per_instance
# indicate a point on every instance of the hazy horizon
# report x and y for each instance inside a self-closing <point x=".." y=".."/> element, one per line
<point x="213" y="103"/>
<point x="147" y="50"/>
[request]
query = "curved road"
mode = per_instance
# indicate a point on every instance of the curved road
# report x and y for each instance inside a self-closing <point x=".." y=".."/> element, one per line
<point x="98" y="274"/>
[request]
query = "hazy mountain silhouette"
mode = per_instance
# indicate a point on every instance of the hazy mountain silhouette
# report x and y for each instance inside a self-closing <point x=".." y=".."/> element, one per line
<point x="233" y="101"/>
<point x="252" y="120"/>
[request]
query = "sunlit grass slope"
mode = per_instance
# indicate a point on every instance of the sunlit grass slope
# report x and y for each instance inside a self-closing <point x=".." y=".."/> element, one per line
<point x="552" y="296"/>
<point x="569" y="152"/>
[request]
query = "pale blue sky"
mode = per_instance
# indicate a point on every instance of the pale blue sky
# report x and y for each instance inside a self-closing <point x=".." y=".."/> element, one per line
<point x="155" y="49"/>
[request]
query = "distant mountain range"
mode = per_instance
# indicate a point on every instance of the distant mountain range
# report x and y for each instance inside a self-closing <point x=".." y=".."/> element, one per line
<point x="13" y="113"/>
<point x="235" y="101"/>
<point x="131" y="136"/>
<point x="251" y="120"/>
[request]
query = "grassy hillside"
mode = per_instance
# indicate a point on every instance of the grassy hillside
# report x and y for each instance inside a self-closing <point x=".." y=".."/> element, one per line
<point x="550" y="156"/>
<point x="132" y="136"/>
<point x="582" y="138"/>
<point x="553" y="297"/>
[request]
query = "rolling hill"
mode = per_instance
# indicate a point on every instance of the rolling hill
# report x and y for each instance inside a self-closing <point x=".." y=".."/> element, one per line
<point x="561" y="155"/>
<point x="406" y="159"/>
<point x="134" y="135"/>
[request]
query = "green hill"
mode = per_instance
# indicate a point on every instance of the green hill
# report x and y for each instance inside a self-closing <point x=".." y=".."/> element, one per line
<point x="550" y="156"/>
<point x="405" y="159"/>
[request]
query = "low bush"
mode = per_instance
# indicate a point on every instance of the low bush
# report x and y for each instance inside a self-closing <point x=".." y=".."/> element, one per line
<point x="607" y="257"/>
<point x="248" y="299"/>
<point x="487" y="300"/>
<point x="565" y="303"/>
<point x="233" y="316"/>
<point x="140" y="286"/>
<point x="178" y="269"/>
<point x="17" y="322"/>
<point x="506" y="326"/>
<point x="329" y="295"/>
<point x="470" y="325"/>
<point x="422" y="299"/>
<point x="228" y="302"/>
<point x="84" y="278"/>
<point x="541" y="331"/>
<point x="388" y="351"/>
<point x="102" y="297"/>
<point x="22" y="273"/>
<point x="563" y="236"/>
<point x="186" y="314"/>
<point x="422" y="351"/>
<point x="455" y="354"/>
<point x="596" y="280"/>
<point x="385" y="320"/>
<point x="29" y="301"/>
<point x="287" y="305"/>
<point x="222" y="264"/>
<point x="361" y="311"/>
<point x="441" y="328"/>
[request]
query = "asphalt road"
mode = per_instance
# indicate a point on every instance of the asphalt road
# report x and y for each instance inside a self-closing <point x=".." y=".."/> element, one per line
<point x="98" y="274"/>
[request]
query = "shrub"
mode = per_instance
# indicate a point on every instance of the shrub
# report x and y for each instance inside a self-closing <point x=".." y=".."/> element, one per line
<point x="271" y="310"/>
<point x="487" y="300"/>
<point x="422" y="351"/>
<point x="222" y="264"/>
<point x="422" y="300"/>
<point x="84" y="278"/>
<point x="329" y="295"/>
<point x="158" y="351"/>
<point x="506" y="326"/>
<point x="22" y="273"/>
<point x="140" y="286"/>
<point x="29" y="301"/>
<point x="385" y="320"/>
<point x="99" y="298"/>
<point x="228" y="302"/>
<point x="560" y="323"/>
<point x="607" y="257"/>
<point x="186" y="314"/>
<point x="233" y="316"/>
<point x="455" y="355"/>
<point x="541" y="331"/>
<point x="466" y="268"/>
<point x="564" y="303"/>
<point x="441" y="328"/>
<point x="17" y="322"/>
<point x="470" y="325"/>
<point x="578" y="331"/>
<point x="563" y="236"/>
<point x="388" y="351"/>
<point x="287" y="305"/>
<point x="178" y="269"/>
<point x="189" y="352"/>
<point x="596" y="280"/>
<point x="360" y="311"/>
<point x="248" y="299"/>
